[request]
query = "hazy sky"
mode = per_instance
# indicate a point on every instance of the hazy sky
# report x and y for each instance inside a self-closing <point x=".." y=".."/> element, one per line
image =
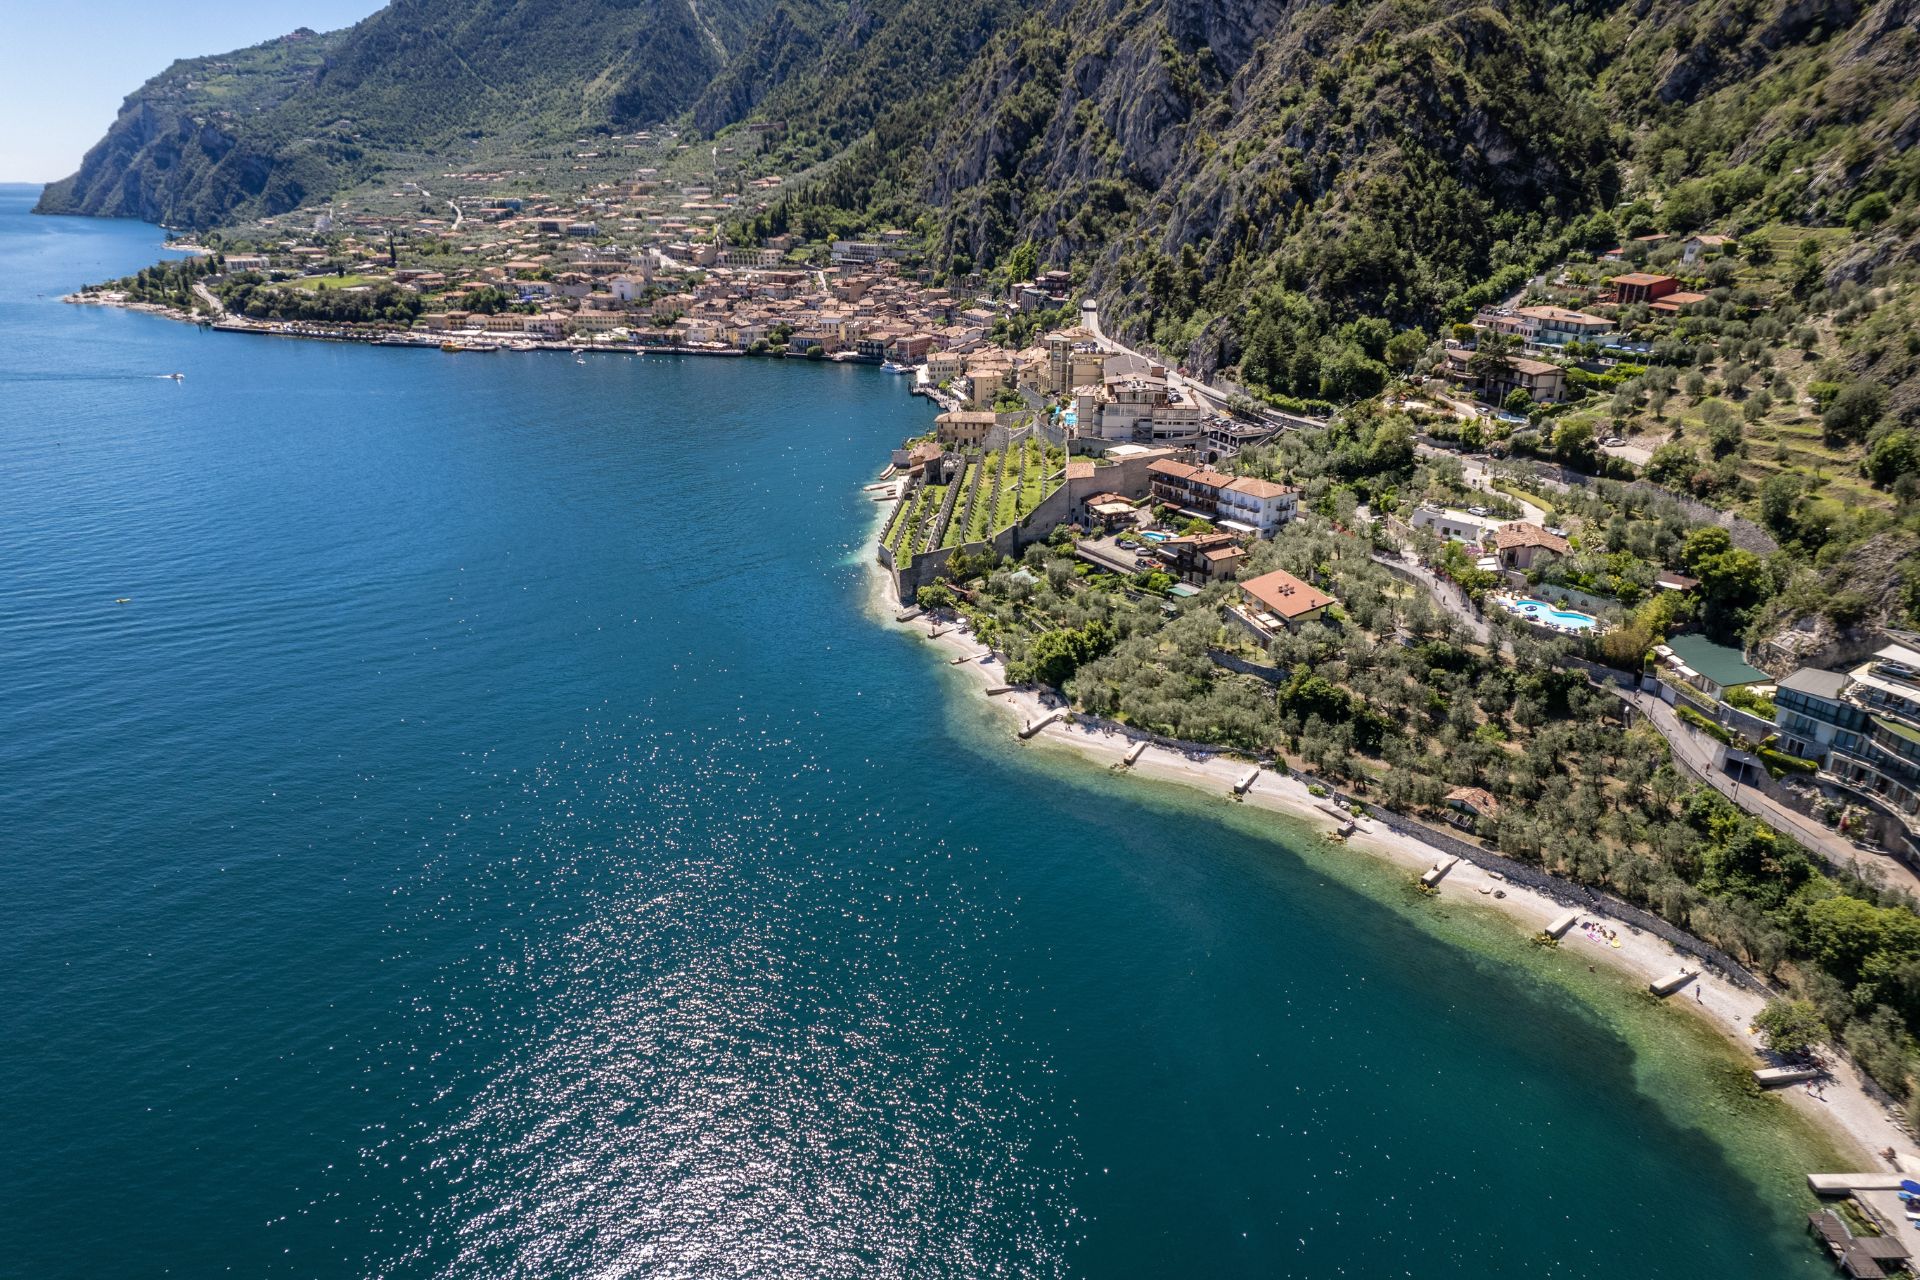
<point x="72" y="61"/>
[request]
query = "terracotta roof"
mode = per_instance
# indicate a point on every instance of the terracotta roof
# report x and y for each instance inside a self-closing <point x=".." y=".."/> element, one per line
<point x="1261" y="488"/>
<point x="1521" y="533"/>
<point x="1201" y="540"/>
<point x="1640" y="277"/>
<point x="1562" y="313"/>
<point x="1282" y="593"/>
<point x="1079" y="470"/>
<point x="1478" y="799"/>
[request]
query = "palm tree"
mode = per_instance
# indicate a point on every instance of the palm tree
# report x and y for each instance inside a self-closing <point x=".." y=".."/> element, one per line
<point x="1491" y="363"/>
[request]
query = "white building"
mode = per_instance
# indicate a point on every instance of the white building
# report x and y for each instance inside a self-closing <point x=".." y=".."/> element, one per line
<point x="1456" y="526"/>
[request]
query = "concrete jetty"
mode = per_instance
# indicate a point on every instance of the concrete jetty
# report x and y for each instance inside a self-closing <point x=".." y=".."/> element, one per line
<point x="907" y="616"/>
<point x="1667" y="986"/>
<point x="1138" y="749"/>
<point x="999" y="689"/>
<point x="1438" y="872"/>
<point x="1774" y="1077"/>
<point x="1245" y="784"/>
<point x="1035" y="726"/>
<point x="1839" y="1184"/>
<point x="1560" y="925"/>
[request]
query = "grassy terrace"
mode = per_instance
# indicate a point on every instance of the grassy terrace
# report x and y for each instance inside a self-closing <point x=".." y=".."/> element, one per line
<point x="998" y="491"/>
<point x="335" y="282"/>
<point x="1025" y="480"/>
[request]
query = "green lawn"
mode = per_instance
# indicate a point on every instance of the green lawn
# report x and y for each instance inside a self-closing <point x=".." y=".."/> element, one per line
<point x="335" y="282"/>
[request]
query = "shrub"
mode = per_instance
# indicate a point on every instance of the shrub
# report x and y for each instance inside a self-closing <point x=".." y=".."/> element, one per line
<point x="1709" y="727"/>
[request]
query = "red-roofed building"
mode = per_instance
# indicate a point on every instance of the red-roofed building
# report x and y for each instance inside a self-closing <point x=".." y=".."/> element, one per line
<point x="1521" y="545"/>
<point x="1641" y="286"/>
<point x="1279" y="601"/>
<point x="1240" y="503"/>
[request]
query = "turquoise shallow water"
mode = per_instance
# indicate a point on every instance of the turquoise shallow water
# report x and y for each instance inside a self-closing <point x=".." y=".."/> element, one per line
<point x="491" y="840"/>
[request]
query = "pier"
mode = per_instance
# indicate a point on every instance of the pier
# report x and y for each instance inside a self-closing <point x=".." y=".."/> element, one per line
<point x="1245" y="784"/>
<point x="1035" y="726"/>
<point x="1774" y="1077"/>
<point x="1667" y="986"/>
<point x="1134" y="753"/>
<point x="1438" y="872"/>
<point x="1560" y="925"/>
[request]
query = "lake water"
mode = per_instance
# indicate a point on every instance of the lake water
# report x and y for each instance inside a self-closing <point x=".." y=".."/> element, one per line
<point x="490" y="839"/>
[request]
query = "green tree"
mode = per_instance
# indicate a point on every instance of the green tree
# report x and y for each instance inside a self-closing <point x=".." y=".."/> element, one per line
<point x="1894" y="454"/>
<point x="1404" y="348"/>
<point x="1790" y="1027"/>
<point x="1573" y="444"/>
<point x="1854" y="410"/>
<point x="1869" y="210"/>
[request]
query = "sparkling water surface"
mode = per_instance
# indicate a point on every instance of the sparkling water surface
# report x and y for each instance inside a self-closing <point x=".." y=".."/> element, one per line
<point x="459" y="821"/>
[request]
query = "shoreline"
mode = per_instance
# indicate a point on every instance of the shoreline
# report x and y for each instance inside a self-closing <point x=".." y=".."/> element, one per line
<point x="467" y="343"/>
<point x="1845" y="1112"/>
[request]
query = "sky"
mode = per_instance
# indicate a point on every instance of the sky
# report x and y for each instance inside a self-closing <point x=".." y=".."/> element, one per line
<point x="72" y="62"/>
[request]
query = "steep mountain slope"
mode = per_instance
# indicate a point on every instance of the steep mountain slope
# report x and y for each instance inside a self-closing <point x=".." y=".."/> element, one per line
<point x="315" y="112"/>
<point x="1243" y="177"/>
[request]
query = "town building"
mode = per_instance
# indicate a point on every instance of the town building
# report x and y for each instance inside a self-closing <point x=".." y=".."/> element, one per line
<point x="1522" y="544"/>
<point x="965" y="428"/>
<point x="1452" y="525"/>
<point x="1204" y="557"/>
<point x="1862" y="726"/>
<point x="1278" y="601"/>
<point x="1711" y="668"/>
<point x="1494" y="381"/>
<point x="1468" y="807"/>
<point x="1697" y="248"/>
<point x="1546" y="326"/>
<point x="1239" y="504"/>
<point x="1641" y="286"/>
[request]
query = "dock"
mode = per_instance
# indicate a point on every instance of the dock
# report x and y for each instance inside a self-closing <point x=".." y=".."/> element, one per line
<point x="1560" y="925"/>
<point x="1135" y="752"/>
<point x="1840" y="1184"/>
<point x="999" y="689"/>
<point x="1667" y="986"/>
<point x="1245" y="784"/>
<point x="1862" y="1257"/>
<point x="1774" y="1077"/>
<point x="908" y="615"/>
<point x="1438" y="872"/>
<point x="1035" y="726"/>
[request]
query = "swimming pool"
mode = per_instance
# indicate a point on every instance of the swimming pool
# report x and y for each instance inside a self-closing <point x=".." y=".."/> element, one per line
<point x="1541" y="611"/>
<point x="1154" y="535"/>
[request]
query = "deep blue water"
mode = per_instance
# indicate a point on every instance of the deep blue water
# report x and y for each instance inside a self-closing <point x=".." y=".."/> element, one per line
<point x="491" y="839"/>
